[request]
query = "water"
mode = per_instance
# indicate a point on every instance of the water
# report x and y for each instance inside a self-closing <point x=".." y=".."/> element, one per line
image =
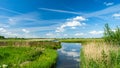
<point x="69" y="55"/>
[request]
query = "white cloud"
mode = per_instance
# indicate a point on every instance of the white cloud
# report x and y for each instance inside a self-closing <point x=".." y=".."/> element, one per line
<point x="2" y="30"/>
<point x="26" y="31"/>
<point x="59" y="29"/>
<point x="112" y="9"/>
<point x="108" y="3"/>
<point x="79" y="18"/>
<point x="7" y="33"/>
<point x="71" y="23"/>
<point x="4" y="25"/>
<point x="65" y="34"/>
<point x="96" y="32"/>
<point x="61" y="11"/>
<point x="73" y="27"/>
<point x="11" y="21"/>
<point x="49" y="34"/>
<point x="116" y="15"/>
<point x="79" y="34"/>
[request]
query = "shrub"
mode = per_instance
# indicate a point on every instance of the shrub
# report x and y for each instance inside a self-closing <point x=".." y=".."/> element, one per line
<point x="2" y="37"/>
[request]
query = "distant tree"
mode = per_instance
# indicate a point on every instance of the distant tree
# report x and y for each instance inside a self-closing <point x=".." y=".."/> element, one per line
<point x="2" y="37"/>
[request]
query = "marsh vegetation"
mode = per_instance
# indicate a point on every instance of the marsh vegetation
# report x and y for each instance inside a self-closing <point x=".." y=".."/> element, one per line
<point x="28" y="54"/>
<point x="105" y="54"/>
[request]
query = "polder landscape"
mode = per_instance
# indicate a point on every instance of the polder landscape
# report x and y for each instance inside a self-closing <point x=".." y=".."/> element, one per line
<point x="59" y="34"/>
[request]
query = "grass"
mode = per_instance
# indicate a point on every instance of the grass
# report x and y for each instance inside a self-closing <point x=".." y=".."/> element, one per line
<point x="46" y="60"/>
<point x="100" y="55"/>
<point x="28" y="54"/>
<point x="13" y="56"/>
<point x="81" y="40"/>
<point x="27" y="57"/>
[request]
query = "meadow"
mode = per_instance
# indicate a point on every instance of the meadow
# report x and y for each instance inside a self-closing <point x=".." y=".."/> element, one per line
<point x="37" y="53"/>
<point x="28" y="54"/>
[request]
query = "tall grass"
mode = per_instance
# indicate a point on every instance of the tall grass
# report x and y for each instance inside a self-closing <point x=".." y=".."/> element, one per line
<point x="19" y="43"/>
<point x="103" y="54"/>
<point x="100" y="55"/>
<point x="112" y="36"/>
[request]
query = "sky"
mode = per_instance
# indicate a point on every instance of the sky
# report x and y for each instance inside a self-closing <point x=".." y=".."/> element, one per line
<point x="58" y="18"/>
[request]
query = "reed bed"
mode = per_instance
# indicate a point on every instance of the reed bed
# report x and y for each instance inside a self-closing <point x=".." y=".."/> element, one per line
<point x="100" y="55"/>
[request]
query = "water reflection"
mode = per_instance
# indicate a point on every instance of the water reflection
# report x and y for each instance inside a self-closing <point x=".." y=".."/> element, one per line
<point x="69" y="55"/>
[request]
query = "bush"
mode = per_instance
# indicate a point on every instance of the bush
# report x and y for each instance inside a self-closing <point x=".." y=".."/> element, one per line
<point x="2" y="37"/>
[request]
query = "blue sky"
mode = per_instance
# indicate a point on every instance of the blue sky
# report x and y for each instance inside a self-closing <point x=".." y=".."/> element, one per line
<point x="57" y="18"/>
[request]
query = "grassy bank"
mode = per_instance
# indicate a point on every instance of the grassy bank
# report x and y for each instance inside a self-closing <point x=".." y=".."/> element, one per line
<point x="28" y="54"/>
<point x="81" y="40"/>
<point x="100" y="55"/>
<point x="27" y="57"/>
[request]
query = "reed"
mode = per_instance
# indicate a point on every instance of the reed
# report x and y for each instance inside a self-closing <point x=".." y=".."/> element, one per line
<point x="112" y="36"/>
<point x="100" y="55"/>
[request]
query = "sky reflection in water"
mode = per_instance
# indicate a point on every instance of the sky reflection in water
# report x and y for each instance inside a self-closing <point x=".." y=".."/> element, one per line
<point x="69" y="55"/>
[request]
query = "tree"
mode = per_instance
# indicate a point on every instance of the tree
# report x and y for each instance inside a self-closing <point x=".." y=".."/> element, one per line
<point x="2" y="37"/>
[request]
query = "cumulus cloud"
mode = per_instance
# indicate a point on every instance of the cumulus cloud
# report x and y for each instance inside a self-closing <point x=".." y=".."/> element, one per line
<point x="2" y="30"/>
<point x="108" y="3"/>
<point x="7" y="33"/>
<point x="96" y="32"/>
<point x="25" y="30"/>
<point x="116" y="15"/>
<point x="77" y="21"/>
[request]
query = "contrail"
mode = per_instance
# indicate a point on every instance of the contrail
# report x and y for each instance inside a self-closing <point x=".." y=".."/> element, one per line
<point x="61" y="11"/>
<point x="12" y="11"/>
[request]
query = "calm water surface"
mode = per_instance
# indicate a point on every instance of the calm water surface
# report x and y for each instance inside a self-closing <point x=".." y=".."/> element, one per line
<point x="69" y="55"/>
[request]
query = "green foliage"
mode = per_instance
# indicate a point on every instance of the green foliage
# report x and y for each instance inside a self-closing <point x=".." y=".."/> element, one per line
<point x="2" y="37"/>
<point x="110" y="36"/>
<point x="27" y="57"/>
